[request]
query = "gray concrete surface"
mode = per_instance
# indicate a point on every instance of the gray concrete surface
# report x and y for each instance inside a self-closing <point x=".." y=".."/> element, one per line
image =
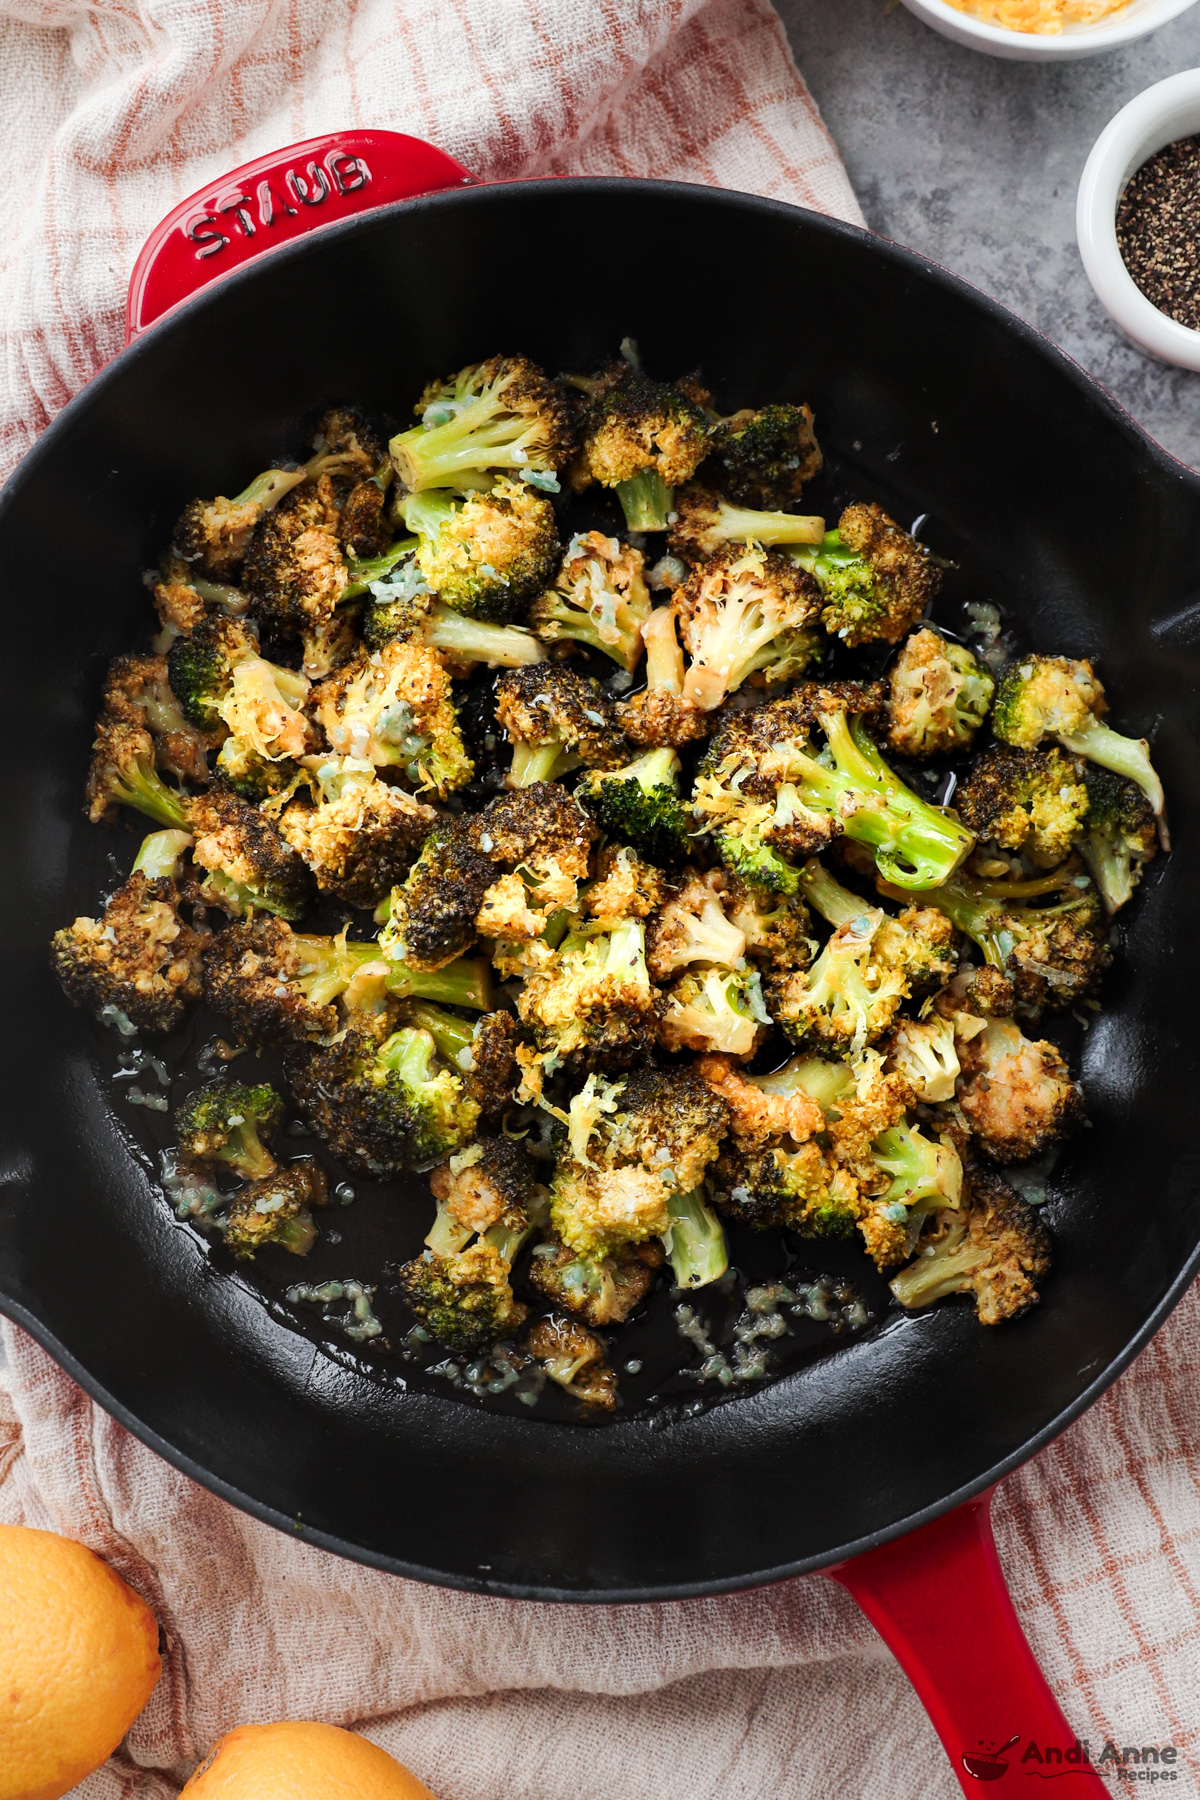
<point x="975" y="162"/>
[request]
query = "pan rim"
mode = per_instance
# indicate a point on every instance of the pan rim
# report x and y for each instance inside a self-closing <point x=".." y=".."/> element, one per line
<point x="179" y="319"/>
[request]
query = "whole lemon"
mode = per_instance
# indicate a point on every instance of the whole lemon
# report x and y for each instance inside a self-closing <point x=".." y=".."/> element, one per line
<point x="299" y="1760"/>
<point x="78" y="1661"/>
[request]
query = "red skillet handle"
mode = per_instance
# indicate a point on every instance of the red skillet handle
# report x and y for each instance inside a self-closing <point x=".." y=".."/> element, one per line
<point x="938" y="1600"/>
<point x="273" y="199"/>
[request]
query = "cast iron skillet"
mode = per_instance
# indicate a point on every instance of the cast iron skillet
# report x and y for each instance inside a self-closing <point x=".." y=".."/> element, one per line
<point x="934" y="398"/>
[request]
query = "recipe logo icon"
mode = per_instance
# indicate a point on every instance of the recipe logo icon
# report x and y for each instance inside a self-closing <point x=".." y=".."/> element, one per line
<point x="988" y="1763"/>
<point x="1050" y="1762"/>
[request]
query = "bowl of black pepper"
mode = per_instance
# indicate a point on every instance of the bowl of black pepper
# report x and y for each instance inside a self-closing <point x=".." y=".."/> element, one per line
<point x="1138" y="219"/>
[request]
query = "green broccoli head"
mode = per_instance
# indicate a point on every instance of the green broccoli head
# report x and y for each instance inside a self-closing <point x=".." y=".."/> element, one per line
<point x="556" y="719"/>
<point x="776" y="927"/>
<point x="200" y="666"/>
<point x="602" y="1290"/>
<point x="600" y="599"/>
<point x="249" y="866"/>
<point x="487" y="554"/>
<point x="394" y="707"/>
<point x="252" y="776"/>
<point x="1120" y="836"/>
<point x="716" y="1010"/>
<point x="464" y="1302"/>
<point x="640" y="805"/>
<point x="643" y="438"/>
<point x="383" y="1107"/>
<point x="223" y="1122"/>
<point x="847" y="999"/>
<point x="938" y="697"/>
<point x="277" y="1209"/>
<point x="765" y="456"/>
<point x="500" y="415"/>
<point x="1029" y="800"/>
<point x="593" y="1005"/>
<point x="769" y="1187"/>
<point x="746" y="610"/>
<point x="876" y="580"/>
<point x="431" y="919"/>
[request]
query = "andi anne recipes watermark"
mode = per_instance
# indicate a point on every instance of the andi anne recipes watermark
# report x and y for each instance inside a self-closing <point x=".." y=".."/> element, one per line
<point x="1146" y="1763"/>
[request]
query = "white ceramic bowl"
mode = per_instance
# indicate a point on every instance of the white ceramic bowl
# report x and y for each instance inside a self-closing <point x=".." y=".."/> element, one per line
<point x="1168" y="110"/>
<point x="1133" y="21"/>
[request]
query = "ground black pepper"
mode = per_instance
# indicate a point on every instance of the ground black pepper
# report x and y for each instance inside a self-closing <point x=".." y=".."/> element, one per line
<point x="1158" y="230"/>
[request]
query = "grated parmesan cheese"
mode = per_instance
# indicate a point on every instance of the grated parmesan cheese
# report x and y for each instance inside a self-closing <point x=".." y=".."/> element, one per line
<point x="1046" y="17"/>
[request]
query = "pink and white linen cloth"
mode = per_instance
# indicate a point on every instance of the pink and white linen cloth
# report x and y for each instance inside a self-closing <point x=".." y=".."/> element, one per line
<point x="110" y="112"/>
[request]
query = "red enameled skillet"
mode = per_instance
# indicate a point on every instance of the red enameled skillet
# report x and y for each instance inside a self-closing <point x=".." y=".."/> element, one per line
<point x="875" y="1463"/>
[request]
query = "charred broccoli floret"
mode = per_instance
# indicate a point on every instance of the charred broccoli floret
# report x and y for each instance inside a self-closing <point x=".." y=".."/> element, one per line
<point x="555" y="720"/>
<point x="382" y="1107"/>
<point x="876" y="580"/>
<point x="776" y="927"/>
<point x="200" y="666"/>
<point x="122" y="773"/>
<point x="216" y="533"/>
<point x="921" y="945"/>
<point x="249" y="866"/>
<point x="659" y="717"/>
<point x="183" y="598"/>
<point x="765" y="456"/>
<point x="593" y="1005"/>
<point x="476" y="1189"/>
<point x="465" y="1302"/>
<point x="574" y="1359"/>
<point x="768" y="795"/>
<point x="277" y="1209"/>
<point x="295" y="575"/>
<point x="403" y="605"/>
<point x="502" y="414"/>
<point x="222" y="1125"/>
<point x="1119" y="836"/>
<point x="849" y="996"/>
<point x="1017" y="1096"/>
<point x="643" y="438"/>
<point x="1053" y="696"/>
<point x="361" y="836"/>
<point x="487" y="554"/>
<point x="393" y="707"/>
<point x="743" y="611"/>
<point x="704" y="523"/>
<point x="482" y="1050"/>
<point x="938" y="696"/>
<point x="996" y="1249"/>
<point x="600" y="599"/>
<point x="640" y="805"/>
<point x="715" y="1010"/>
<point x="602" y="1290"/>
<point x="691" y="927"/>
<point x="137" y="691"/>
<point x="542" y="830"/>
<point x="139" y="957"/>
<point x="771" y="1187"/>
<point x="1029" y="800"/>
<point x="635" y="1150"/>
<point x="431" y="919"/>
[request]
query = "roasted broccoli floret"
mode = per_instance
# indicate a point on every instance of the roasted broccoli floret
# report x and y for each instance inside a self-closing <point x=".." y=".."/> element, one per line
<point x="716" y="1010"/>
<point x="1053" y="696"/>
<point x="482" y="1050"/>
<point x="602" y="1290"/>
<point x="768" y="795"/>
<point x="200" y="666"/>
<point x="139" y="957"/>
<point x="659" y="717"/>
<point x="487" y="554"/>
<point x="216" y="533"/>
<point x="600" y="599"/>
<point x="704" y="523"/>
<point x="574" y="1359"/>
<point x="694" y="1241"/>
<point x="183" y="598"/>
<point x="499" y="414"/>
<point x="221" y="1125"/>
<point x="633" y="1147"/>
<point x="786" y="1105"/>
<point x="849" y="996"/>
<point x="432" y="918"/>
<point x="995" y="1248"/>
<point x="625" y="886"/>
<point x="1029" y="800"/>
<point x="465" y="1302"/>
<point x="938" y="696"/>
<point x="771" y="1187"/>
<point x="403" y="605"/>
<point x="249" y="866"/>
<point x="393" y="707"/>
<point x="542" y="830"/>
<point x="1017" y="1096"/>
<point x="766" y="455"/>
<point x="555" y="720"/>
<point x="296" y="576"/>
<point x="742" y="611"/>
<point x="776" y="927"/>
<point x="691" y="927"/>
<point x="1054" y="955"/>
<point x="640" y="805"/>
<point x="122" y="773"/>
<point x="476" y="1189"/>
<point x="593" y="1006"/>
<point x="1119" y="836"/>
<point x="643" y="438"/>
<point x="924" y="1051"/>
<point x="361" y="836"/>
<point x="277" y="1209"/>
<point x="137" y="691"/>
<point x="876" y="580"/>
<point x="382" y="1107"/>
<point x="921" y="945"/>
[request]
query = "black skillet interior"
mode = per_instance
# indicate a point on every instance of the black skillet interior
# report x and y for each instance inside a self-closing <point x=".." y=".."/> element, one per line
<point x="929" y="398"/>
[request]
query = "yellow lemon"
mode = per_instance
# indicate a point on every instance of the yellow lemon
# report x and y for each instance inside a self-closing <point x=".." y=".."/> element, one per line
<point x="299" y="1760"/>
<point x="78" y="1661"/>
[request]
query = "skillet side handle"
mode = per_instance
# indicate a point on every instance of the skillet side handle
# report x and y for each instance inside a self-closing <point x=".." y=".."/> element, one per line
<point x="273" y="199"/>
<point x="938" y="1599"/>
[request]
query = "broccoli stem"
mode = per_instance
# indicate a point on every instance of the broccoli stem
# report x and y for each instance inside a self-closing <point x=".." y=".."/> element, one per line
<point x="695" y="1241"/>
<point x="538" y="762"/>
<point x="161" y="855"/>
<point x="664" y="653"/>
<point x="451" y="1035"/>
<point x="827" y="896"/>
<point x="500" y="646"/>
<point x="825" y="558"/>
<point x="465" y="982"/>
<point x="374" y="568"/>
<point x="408" y="1054"/>
<point x="507" y="1235"/>
<point x="825" y="1082"/>
<point x="978" y="908"/>
<point x="220" y="886"/>
<point x="230" y="600"/>
<point x="268" y="489"/>
<point x="447" y="1236"/>
<point x="480" y="437"/>
<point x="916" y="845"/>
<point x="645" y="500"/>
<point x="947" y="1267"/>
<point x="742" y="524"/>
<point x="1124" y="756"/>
<point x="1111" y="871"/>
<point x="426" y="512"/>
<point x="142" y="789"/>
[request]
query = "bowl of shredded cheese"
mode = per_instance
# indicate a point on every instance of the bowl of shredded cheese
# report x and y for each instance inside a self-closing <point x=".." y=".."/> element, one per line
<point x="1046" y="30"/>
